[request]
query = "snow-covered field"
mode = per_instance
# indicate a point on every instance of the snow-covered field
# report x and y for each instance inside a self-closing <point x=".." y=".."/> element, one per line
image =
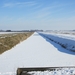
<point x="8" y="32"/>
<point x="36" y="51"/>
<point x="70" y="32"/>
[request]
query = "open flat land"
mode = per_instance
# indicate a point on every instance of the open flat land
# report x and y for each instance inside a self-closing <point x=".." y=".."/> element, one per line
<point x="36" y="51"/>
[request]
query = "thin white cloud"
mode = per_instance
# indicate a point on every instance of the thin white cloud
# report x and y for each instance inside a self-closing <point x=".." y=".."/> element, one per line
<point x="42" y="14"/>
<point x="48" y="10"/>
<point x="19" y="4"/>
<point x="8" y="5"/>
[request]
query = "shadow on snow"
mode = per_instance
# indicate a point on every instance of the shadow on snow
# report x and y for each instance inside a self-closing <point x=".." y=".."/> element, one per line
<point x="60" y="48"/>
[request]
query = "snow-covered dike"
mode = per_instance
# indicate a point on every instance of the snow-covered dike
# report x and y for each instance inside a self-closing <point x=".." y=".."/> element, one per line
<point x="66" y="41"/>
<point x="36" y="51"/>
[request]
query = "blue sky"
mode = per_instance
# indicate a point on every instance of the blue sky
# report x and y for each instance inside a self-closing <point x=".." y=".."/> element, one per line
<point x="37" y="14"/>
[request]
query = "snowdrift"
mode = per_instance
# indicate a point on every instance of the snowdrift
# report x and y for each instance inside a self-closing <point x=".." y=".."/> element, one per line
<point x="64" y="41"/>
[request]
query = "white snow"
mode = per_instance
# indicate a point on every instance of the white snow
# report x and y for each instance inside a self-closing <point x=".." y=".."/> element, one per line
<point x="10" y="32"/>
<point x="36" y="51"/>
<point x="66" y="40"/>
<point x="63" y="71"/>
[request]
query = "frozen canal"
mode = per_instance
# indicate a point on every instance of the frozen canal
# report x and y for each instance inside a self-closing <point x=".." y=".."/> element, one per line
<point x="36" y="51"/>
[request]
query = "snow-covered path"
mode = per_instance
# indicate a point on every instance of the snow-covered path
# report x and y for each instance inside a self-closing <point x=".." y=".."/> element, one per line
<point x="36" y="51"/>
